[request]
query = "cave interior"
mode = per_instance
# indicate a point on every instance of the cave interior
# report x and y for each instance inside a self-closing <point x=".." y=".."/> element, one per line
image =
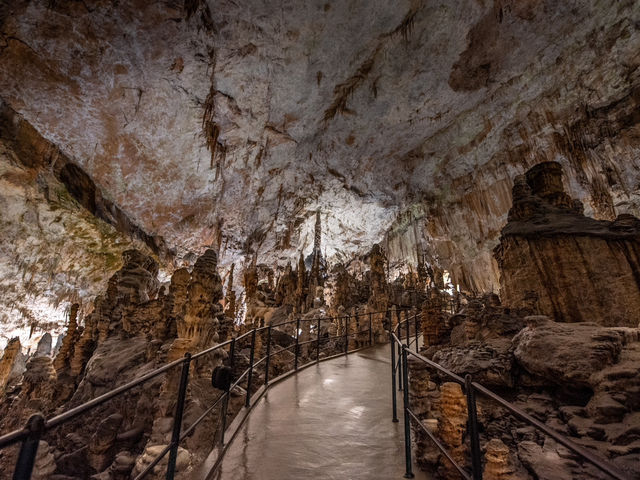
<point x="178" y="174"/>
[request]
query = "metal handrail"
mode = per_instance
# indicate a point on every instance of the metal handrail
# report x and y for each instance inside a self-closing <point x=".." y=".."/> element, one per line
<point x="37" y="425"/>
<point x="18" y="435"/>
<point x="470" y="388"/>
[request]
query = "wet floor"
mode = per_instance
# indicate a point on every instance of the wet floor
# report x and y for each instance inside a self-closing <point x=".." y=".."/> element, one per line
<point x="330" y="421"/>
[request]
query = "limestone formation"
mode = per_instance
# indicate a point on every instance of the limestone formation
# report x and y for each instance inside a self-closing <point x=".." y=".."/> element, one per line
<point x="12" y="362"/>
<point x="38" y="381"/>
<point x="62" y="358"/>
<point x="129" y="307"/>
<point x="577" y="377"/>
<point x="452" y="423"/>
<point x="569" y="354"/>
<point x="202" y="309"/>
<point x="134" y="326"/>
<point x="251" y="283"/>
<point x="478" y="341"/>
<point x="302" y="286"/>
<point x="201" y="314"/>
<point x="379" y="292"/>
<point x="286" y="287"/>
<point x="183" y="462"/>
<point x="44" y="346"/>
<point x="498" y="106"/>
<point x="434" y="321"/>
<point x="498" y="462"/>
<point x="83" y="349"/>
<point x="424" y="399"/>
<point x="317" y="272"/>
<point x="575" y="268"/>
<point x="230" y="297"/>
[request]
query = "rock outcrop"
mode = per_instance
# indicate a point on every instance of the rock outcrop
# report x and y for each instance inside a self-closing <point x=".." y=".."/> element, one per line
<point x="565" y="265"/>
<point x="569" y="354"/>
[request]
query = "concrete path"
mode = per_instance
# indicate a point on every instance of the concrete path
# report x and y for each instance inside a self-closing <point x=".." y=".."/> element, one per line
<point x="330" y="421"/>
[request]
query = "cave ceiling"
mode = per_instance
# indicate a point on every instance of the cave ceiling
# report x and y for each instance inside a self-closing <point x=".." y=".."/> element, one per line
<point x="230" y="123"/>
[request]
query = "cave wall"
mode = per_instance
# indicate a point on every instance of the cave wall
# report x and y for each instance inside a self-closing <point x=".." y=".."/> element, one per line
<point x="55" y="249"/>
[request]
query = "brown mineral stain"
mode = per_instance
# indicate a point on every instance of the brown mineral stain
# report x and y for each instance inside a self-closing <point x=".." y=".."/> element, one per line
<point x="289" y="118"/>
<point x="177" y="65"/>
<point x="477" y="140"/>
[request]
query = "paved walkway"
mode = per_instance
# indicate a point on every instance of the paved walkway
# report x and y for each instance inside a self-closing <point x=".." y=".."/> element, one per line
<point x="330" y="421"/>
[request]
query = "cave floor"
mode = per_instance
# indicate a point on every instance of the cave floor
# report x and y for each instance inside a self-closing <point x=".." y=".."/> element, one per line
<point x="330" y="421"/>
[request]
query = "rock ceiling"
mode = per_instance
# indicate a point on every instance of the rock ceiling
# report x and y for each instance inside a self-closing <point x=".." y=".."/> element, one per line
<point x="230" y="122"/>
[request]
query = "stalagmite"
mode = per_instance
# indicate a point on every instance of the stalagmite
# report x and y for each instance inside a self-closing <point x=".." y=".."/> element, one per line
<point x="230" y="297"/>
<point x="498" y="464"/>
<point x="201" y="315"/>
<point x="434" y="321"/>
<point x="61" y="361"/>
<point x="452" y="426"/>
<point x="379" y="293"/>
<point x="12" y="362"/>
<point x="302" y="286"/>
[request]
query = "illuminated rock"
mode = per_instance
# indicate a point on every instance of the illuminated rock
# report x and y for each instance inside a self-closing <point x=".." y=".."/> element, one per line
<point x="452" y="424"/>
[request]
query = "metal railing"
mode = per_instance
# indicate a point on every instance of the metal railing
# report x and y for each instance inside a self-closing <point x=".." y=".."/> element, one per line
<point x="470" y="389"/>
<point x="37" y="425"/>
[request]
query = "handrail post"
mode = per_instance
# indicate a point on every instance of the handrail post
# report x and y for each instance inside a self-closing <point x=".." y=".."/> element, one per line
<point x="400" y="322"/>
<point x="346" y="334"/>
<point x="252" y="356"/>
<point x="394" y="401"/>
<point x="177" y="418"/>
<point x="407" y="420"/>
<point x="408" y="330"/>
<point x="400" y="362"/>
<point x="29" y="448"/>
<point x="266" y="368"/>
<point x="476" y="460"/>
<point x="416" y="332"/>
<point x="371" y="331"/>
<point x="297" y="343"/>
<point x="318" y="342"/>
<point x="232" y="353"/>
